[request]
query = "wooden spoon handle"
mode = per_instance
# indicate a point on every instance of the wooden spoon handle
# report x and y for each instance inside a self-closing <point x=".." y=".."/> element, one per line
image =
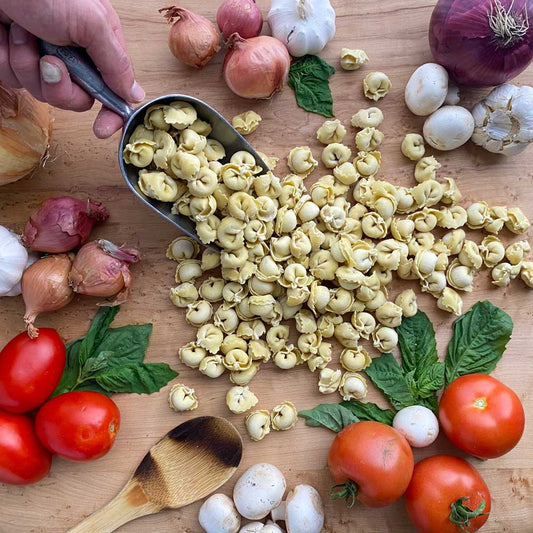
<point x="130" y="503"/>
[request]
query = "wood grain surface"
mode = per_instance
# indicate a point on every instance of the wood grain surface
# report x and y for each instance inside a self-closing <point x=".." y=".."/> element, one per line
<point x="394" y="34"/>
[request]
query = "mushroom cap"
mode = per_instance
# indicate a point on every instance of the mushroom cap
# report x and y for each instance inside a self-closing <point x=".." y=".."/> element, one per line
<point x="449" y="127"/>
<point x="426" y="89"/>
<point x="218" y="515"/>
<point x="259" y="490"/>
<point x="417" y="424"/>
<point x="304" y="510"/>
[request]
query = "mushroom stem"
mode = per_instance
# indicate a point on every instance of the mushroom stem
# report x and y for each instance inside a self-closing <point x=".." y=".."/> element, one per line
<point x="278" y="513"/>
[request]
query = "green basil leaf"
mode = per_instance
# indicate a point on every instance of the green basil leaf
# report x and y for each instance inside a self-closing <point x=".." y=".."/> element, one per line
<point x="97" y="331"/>
<point x="71" y="371"/>
<point x="329" y="415"/>
<point x="416" y="340"/>
<point x="388" y="377"/>
<point x="97" y="363"/>
<point x="309" y="77"/>
<point x="92" y="386"/>
<point x="369" y="411"/>
<point x="479" y="340"/>
<point x="430" y="381"/>
<point x="141" y="378"/>
<point x="128" y="343"/>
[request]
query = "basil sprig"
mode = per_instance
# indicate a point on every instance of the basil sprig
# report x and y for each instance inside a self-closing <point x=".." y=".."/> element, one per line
<point x="111" y="360"/>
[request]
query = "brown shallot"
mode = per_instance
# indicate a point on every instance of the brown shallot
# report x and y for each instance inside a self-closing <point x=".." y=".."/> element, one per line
<point x="193" y="39"/>
<point x="256" y="67"/>
<point x="102" y="269"/>
<point x="61" y="224"/>
<point x="45" y="288"/>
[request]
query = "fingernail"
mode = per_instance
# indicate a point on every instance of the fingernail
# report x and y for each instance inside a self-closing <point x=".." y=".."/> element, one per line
<point x="49" y="73"/>
<point x="18" y="34"/>
<point x="137" y="94"/>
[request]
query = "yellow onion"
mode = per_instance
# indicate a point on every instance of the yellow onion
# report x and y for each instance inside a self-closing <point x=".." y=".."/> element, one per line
<point x="25" y="129"/>
<point x="102" y="269"/>
<point x="45" y="287"/>
<point x="257" y="67"/>
<point x="193" y="39"/>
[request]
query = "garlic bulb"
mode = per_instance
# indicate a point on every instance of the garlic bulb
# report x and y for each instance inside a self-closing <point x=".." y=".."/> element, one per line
<point x="304" y="26"/>
<point x="13" y="259"/>
<point x="503" y="120"/>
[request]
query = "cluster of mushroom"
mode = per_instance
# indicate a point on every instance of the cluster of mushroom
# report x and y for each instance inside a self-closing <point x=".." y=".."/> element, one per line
<point x="257" y="494"/>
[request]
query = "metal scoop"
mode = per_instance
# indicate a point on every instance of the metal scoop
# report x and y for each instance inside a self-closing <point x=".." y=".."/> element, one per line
<point x="86" y="75"/>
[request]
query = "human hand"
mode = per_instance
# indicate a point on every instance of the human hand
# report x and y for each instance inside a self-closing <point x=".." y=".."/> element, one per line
<point x="91" y="24"/>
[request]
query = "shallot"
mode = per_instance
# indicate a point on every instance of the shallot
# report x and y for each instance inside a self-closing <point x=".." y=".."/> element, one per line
<point x="239" y="16"/>
<point x="193" y="39"/>
<point x="102" y="269"/>
<point x="61" y="224"/>
<point x="45" y="288"/>
<point x="256" y="67"/>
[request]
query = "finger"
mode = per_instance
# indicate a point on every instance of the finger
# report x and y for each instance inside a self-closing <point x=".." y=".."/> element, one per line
<point x="114" y="21"/>
<point x="24" y="59"/>
<point x="99" y="37"/>
<point x="107" y="123"/>
<point x="7" y="76"/>
<point x="58" y="89"/>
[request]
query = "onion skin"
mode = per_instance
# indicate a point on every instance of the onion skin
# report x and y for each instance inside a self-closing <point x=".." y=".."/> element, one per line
<point x="193" y="39"/>
<point x="101" y="269"/>
<point x="239" y="16"/>
<point x="61" y="224"/>
<point x="25" y="130"/>
<point x="462" y="41"/>
<point x="256" y="67"/>
<point x="45" y="288"/>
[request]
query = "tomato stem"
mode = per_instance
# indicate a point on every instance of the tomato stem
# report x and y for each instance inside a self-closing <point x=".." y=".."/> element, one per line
<point x="460" y="515"/>
<point x="346" y="491"/>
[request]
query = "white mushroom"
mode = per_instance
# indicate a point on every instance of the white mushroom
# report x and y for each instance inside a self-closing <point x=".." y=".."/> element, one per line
<point x="303" y="511"/>
<point x="259" y="527"/>
<point x="218" y="515"/>
<point x="449" y="127"/>
<point x="259" y="490"/>
<point x="426" y="89"/>
<point x="417" y="424"/>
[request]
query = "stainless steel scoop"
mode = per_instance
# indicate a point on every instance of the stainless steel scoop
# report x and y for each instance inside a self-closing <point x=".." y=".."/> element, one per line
<point x="86" y="75"/>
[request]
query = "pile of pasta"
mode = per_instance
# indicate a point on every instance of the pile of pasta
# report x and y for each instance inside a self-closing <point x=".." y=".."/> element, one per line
<point x="323" y="257"/>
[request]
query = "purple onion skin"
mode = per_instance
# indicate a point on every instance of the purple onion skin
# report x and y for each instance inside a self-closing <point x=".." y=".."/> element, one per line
<point x="462" y="41"/>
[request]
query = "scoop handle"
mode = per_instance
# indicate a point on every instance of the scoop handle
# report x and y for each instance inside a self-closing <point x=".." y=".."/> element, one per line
<point x="84" y="72"/>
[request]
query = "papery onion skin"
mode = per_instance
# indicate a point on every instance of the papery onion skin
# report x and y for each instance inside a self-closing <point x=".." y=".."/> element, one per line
<point x="256" y="67"/>
<point x="25" y="130"/>
<point x="462" y="40"/>
<point x="62" y="223"/>
<point x="239" y="16"/>
<point x="45" y="288"/>
<point x="193" y="39"/>
<point x="101" y="269"/>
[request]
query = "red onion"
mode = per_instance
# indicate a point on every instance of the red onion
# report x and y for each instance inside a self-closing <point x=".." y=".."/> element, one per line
<point x="193" y="39"/>
<point x="101" y="269"/>
<point x="256" y="67"/>
<point x="482" y="42"/>
<point x="239" y="16"/>
<point x="62" y="224"/>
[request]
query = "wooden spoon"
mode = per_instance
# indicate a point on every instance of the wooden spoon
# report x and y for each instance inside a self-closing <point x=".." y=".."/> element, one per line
<point x="188" y="463"/>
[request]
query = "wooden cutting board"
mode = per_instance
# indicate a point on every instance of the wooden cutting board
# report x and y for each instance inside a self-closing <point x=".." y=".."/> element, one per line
<point x="394" y="35"/>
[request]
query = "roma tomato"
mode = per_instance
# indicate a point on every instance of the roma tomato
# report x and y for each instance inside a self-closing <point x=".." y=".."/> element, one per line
<point x="79" y="425"/>
<point x="447" y="495"/>
<point x="481" y="415"/>
<point x="371" y="462"/>
<point x="23" y="460"/>
<point x="30" y="370"/>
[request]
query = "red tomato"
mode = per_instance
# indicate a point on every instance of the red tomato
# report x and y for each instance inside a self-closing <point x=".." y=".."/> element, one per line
<point x="79" y="425"/>
<point x="481" y="415"/>
<point x="30" y="370"/>
<point x="23" y="460"/>
<point x="374" y="456"/>
<point x="440" y="481"/>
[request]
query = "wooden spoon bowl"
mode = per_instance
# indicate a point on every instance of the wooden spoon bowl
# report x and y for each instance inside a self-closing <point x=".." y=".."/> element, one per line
<point x="187" y="464"/>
